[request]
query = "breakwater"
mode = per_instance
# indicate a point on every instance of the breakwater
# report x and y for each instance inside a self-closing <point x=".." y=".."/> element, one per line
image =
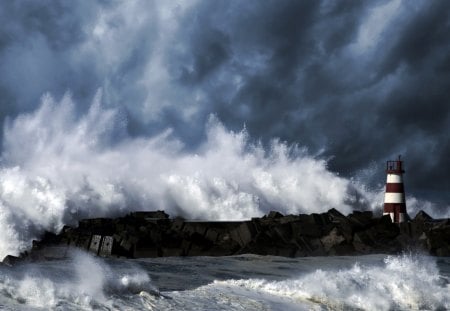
<point x="155" y="234"/>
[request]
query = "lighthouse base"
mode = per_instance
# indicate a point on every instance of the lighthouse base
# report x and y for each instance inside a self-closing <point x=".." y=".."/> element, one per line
<point x="397" y="218"/>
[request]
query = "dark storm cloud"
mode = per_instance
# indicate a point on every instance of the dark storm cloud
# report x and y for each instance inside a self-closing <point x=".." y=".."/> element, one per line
<point x="304" y="77"/>
<point x="356" y="82"/>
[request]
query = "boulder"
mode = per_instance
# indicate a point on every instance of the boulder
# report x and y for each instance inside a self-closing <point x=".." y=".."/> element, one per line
<point x="244" y="233"/>
<point x="334" y="238"/>
<point x="288" y="219"/>
<point x="274" y="214"/>
<point x="150" y="215"/>
<point x="195" y="227"/>
<point x="361" y="219"/>
<point x="152" y="234"/>
<point x="438" y="237"/>
<point x="363" y="243"/>
<point x="307" y="229"/>
<point x="421" y="216"/>
<point x="11" y="260"/>
<point x="283" y="231"/>
<point x="177" y="224"/>
<point x="212" y="234"/>
<point x="335" y="216"/>
<point x="316" y="247"/>
<point x="343" y="249"/>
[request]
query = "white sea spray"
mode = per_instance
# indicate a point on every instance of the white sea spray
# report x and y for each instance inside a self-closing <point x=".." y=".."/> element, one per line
<point x="402" y="283"/>
<point x="57" y="168"/>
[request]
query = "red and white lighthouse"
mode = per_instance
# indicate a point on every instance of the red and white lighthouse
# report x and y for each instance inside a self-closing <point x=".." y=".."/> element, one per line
<point x="394" y="197"/>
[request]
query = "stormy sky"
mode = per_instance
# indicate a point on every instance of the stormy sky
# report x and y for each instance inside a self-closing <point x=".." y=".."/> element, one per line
<point x="355" y="82"/>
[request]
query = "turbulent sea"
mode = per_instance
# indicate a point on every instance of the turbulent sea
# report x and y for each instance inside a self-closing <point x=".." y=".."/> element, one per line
<point x="249" y="282"/>
<point x="57" y="167"/>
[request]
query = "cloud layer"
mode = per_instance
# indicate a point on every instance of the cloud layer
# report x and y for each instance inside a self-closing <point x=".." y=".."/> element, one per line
<point x="343" y="86"/>
<point x="357" y="82"/>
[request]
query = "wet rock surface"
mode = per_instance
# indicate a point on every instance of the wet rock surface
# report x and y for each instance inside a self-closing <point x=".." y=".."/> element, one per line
<point x="155" y="234"/>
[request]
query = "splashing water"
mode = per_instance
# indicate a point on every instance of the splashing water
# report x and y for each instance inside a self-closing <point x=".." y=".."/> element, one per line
<point x="402" y="283"/>
<point x="83" y="282"/>
<point x="57" y="168"/>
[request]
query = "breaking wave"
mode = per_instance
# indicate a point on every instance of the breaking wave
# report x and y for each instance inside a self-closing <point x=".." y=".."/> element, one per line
<point x="402" y="283"/>
<point x="57" y="168"/>
<point x="82" y="283"/>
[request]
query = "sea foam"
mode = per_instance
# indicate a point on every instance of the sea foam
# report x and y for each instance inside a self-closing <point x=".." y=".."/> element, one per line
<point x="81" y="282"/>
<point x="402" y="283"/>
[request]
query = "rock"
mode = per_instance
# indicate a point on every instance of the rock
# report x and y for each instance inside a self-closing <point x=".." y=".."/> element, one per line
<point x="335" y="216"/>
<point x="332" y="239"/>
<point x="195" y="227"/>
<point x="405" y="228"/>
<point x="422" y="217"/>
<point x="150" y="215"/>
<point x="153" y="234"/>
<point x="11" y="260"/>
<point x="361" y="219"/>
<point x="212" y="234"/>
<point x="287" y="219"/>
<point x="316" y="247"/>
<point x="343" y="249"/>
<point x="300" y="228"/>
<point x="438" y="237"/>
<point x="284" y="231"/>
<point x="274" y="214"/>
<point x="363" y="243"/>
<point x="244" y="233"/>
<point x="286" y="252"/>
<point x="177" y="224"/>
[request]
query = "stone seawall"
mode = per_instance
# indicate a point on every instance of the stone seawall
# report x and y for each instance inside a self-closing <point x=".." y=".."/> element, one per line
<point x="154" y="234"/>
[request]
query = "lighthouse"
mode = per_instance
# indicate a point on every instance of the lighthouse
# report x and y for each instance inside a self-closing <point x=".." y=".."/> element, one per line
<point x="394" y="197"/>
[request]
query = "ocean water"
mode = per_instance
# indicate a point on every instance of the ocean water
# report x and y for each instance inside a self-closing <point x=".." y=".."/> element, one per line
<point x="248" y="282"/>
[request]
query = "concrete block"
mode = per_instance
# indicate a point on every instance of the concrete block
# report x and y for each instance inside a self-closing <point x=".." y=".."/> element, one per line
<point x="177" y="224"/>
<point x="284" y="231"/>
<point x="274" y="214"/>
<point x="332" y="239"/>
<point x="212" y="235"/>
<point x="95" y="243"/>
<point x="106" y="247"/>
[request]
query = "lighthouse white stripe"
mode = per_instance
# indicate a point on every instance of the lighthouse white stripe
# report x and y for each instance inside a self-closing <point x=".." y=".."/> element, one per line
<point x="394" y="178"/>
<point x="401" y="217"/>
<point x="393" y="197"/>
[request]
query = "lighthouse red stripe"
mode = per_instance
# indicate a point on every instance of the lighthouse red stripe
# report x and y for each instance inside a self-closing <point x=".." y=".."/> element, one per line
<point x="394" y="208"/>
<point x="394" y="188"/>
<point x="389" y="207"/>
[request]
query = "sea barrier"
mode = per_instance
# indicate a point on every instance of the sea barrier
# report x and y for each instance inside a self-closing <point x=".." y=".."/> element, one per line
<point x="155" y="234"/>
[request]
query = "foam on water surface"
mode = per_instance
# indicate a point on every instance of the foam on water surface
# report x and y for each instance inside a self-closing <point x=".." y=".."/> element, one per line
<point x="205" y="283"/>
<point x="401" y="283"/>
